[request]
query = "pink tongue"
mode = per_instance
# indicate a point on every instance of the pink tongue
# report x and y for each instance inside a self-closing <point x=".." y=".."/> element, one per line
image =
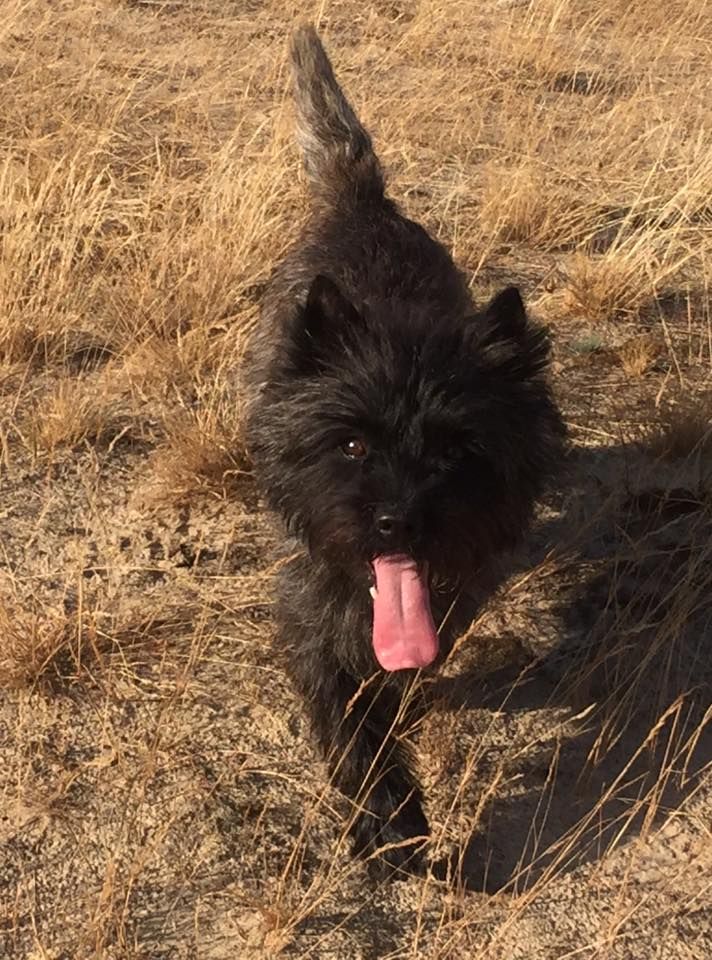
<point x="404" y="634"/>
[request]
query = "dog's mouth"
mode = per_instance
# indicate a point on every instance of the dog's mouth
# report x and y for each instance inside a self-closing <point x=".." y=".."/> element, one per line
<point x="404" y="634"/>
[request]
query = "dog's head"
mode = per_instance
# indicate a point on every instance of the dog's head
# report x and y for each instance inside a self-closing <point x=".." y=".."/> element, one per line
<point x="406" y="447"/>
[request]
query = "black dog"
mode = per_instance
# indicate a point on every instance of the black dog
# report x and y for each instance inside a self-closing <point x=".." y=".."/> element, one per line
<point x="401" y="435"/>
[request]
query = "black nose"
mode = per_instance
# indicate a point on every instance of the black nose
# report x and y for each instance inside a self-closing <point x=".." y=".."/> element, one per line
<point x="388" y="525"/>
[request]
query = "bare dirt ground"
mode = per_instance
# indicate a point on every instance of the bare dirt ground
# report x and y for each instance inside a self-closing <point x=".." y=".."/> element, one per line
<point x="159" y="795"/>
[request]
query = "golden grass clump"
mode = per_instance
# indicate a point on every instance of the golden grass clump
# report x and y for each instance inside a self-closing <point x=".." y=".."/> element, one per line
<point x="29" y="644"/>
<point x="200" y="455"/>
<point x="77" y="411"/>
<point x="606" y="288"/>
<point x="639" y="354"/>
<point x="684" y="433"/>
<point x="53" y="231"/>
<point x="519" y="205"/>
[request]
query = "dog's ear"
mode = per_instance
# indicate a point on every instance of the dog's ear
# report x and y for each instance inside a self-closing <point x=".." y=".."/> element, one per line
<point x="503" y="334"/>
<point x="506" y="314"/>
<point x="323" y="325"/>
<point x="327" y="314"/>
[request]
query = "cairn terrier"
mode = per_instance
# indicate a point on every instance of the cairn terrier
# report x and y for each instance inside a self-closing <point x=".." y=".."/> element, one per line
<point x="402" y="436"/>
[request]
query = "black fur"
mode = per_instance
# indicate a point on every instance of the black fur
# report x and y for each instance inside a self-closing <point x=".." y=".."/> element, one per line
<point x="369" y="342"/>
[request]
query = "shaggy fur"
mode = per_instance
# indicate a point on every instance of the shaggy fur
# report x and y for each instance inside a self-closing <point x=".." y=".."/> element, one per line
<point x="386" y="416"/>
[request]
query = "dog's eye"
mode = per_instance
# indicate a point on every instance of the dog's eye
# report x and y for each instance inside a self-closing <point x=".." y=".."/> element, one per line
<point x="454" y="452"/>
<point x="354" y="449"/>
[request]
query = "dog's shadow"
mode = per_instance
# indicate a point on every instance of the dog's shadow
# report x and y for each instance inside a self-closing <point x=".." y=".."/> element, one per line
<point x="628" y="670"/>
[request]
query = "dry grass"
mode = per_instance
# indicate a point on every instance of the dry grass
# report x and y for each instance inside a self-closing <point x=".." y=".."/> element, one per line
<point x="639" y="354"/>
<point x="30" y="644"/>
<point x="148" y="183"/>
<point x="74" y="412"/>
<point x="199" y="455"/>
<point x="685" y="433"/>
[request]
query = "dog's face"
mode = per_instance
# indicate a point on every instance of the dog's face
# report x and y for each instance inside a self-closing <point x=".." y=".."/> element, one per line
<point x="407" y="439"/>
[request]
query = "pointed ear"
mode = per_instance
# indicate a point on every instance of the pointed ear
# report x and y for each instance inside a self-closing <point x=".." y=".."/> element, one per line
<point x="323" y="324"/>
<point x="507" y="315"/>
<point x="512" y="346"/>
<point x="327" y="312"/>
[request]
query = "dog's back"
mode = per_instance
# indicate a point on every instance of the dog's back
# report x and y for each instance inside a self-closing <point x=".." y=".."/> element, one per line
<point x="356" y="235"/>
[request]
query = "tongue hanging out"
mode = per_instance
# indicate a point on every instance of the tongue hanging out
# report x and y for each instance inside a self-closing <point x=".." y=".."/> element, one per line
<point x="404" y="634"/>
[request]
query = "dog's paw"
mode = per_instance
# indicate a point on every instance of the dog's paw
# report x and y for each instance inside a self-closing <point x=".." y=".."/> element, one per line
<point x="392" y="845"/>
<point x="396" y="858"/>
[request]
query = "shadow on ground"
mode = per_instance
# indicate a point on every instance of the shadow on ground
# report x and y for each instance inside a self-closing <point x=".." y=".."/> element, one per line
<point x="629" y="590"/>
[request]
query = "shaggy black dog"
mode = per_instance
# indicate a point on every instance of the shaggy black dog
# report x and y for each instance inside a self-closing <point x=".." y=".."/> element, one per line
<point x="402" y="436"/>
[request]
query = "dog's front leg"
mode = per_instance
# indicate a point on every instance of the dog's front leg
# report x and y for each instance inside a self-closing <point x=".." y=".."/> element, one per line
<point x="355" y="727"/>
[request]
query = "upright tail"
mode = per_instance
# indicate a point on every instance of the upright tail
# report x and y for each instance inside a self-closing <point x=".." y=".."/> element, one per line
<point x="337" y="150"/>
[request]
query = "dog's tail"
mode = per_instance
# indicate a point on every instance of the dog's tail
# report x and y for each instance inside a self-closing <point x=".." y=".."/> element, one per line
<point x="337" y="150"/>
